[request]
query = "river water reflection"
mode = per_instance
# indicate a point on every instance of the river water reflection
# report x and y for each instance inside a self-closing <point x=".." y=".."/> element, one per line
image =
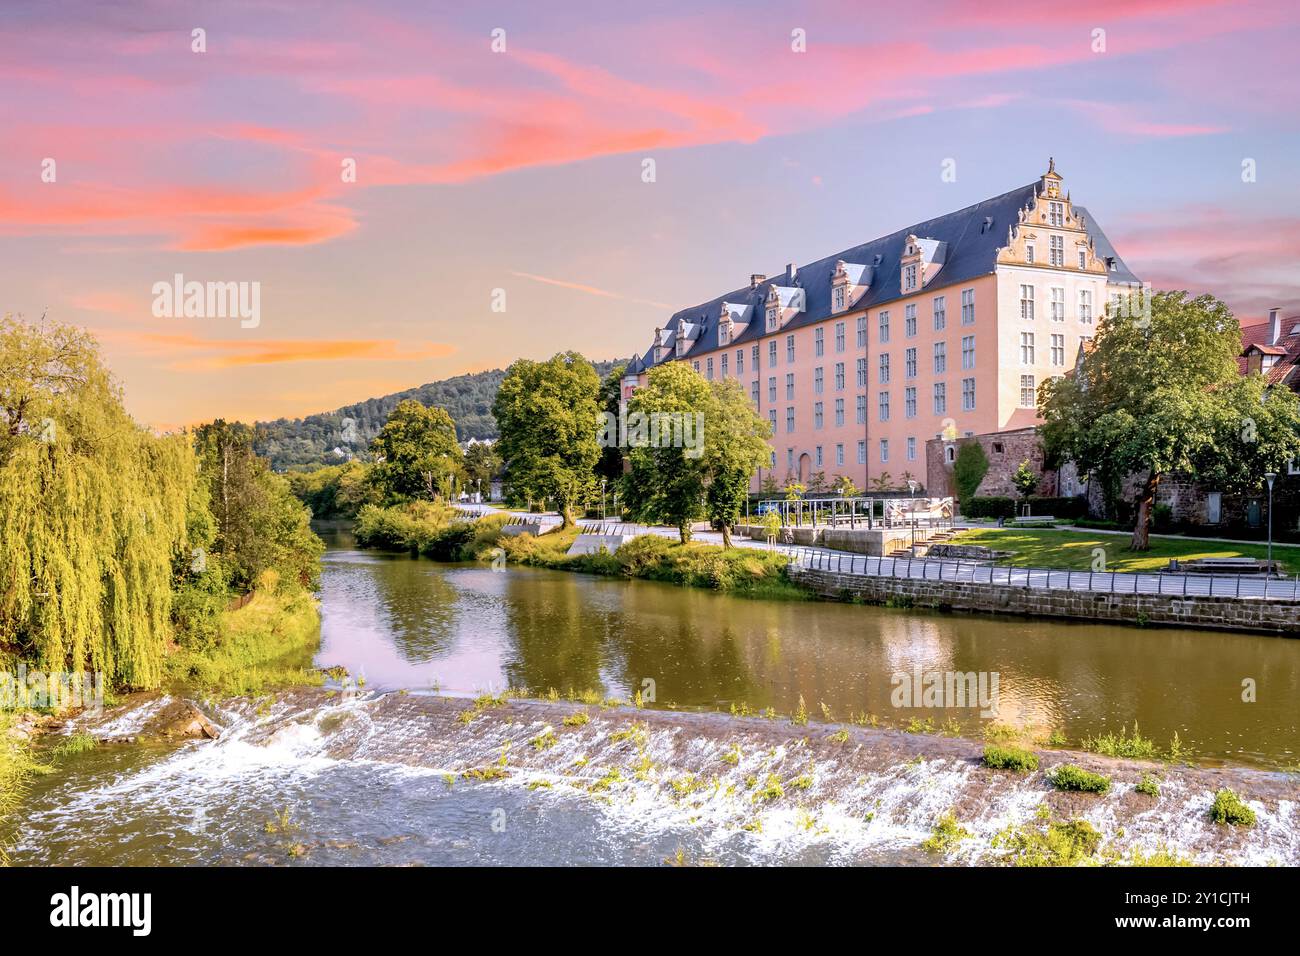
<point x="414" y="623"/>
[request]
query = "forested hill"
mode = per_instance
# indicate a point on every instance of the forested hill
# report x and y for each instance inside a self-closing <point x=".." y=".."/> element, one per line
<point x="312" y="440"/>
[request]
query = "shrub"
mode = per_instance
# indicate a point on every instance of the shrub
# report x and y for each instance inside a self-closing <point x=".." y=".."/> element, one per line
<point x="1228" y="808"/>
<point x="412" y="526"/>
<point x="1072" y="508"/>
<point x="969" y="470"/>
<point x="947" y="833"/>
<point x="1148" y="785"/>
<point x="1069" y="777"/>
<point x="1060" y="844"/>
<point x="1009" y="758"/>
<point x="989" y="507"/>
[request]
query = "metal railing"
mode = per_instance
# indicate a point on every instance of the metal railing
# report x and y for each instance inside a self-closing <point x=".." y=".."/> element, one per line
<point x="1100" y="582"/>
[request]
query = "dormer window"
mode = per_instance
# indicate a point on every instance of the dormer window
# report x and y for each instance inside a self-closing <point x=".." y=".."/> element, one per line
<point x="724" y="333"/>
<point x="1029" y="255"/>
<point x="771" y="319"/>
<point x="839" y="299"/>
<point x="909" y="278"/>
<point x="1056" y="213"/>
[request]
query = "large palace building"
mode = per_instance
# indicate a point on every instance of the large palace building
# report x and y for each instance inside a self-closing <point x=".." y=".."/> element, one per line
<point x="945" y="328"/>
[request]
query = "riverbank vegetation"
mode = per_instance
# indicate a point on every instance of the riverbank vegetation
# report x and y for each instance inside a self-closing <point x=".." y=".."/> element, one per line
<point x="122" y="547"/>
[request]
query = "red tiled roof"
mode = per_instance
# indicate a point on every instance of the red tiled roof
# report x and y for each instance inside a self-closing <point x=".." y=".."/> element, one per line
<point x="1287" y="348"/>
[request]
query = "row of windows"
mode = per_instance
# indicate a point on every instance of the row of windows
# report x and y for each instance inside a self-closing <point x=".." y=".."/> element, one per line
<point x="1028" y="300"/>
<point x="819" y="414"/>
<point x="939" y="361"/>
<point x="939" y="399"/>
<point x="819" y="458"/>
<point x="1027" y="352"/>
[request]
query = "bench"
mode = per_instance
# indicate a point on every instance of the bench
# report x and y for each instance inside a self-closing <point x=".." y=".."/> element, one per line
<point x="1034" y="519"/>
<point x="965" y="552"/>
<point x="1225" y="566"/>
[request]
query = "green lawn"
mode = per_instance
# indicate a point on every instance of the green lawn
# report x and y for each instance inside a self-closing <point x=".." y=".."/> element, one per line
<point x="1043" y="548"/>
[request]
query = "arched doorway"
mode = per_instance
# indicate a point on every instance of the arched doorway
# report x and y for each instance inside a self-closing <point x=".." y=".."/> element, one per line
<point x="805" y="468"/>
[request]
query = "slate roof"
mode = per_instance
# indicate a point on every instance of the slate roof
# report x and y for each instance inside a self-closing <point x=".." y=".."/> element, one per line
<point x="970" y="251"/>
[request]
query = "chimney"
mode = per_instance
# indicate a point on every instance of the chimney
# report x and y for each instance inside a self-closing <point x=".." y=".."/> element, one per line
<point x="790" y="272"/>
<point x="756" y="279"/>
<point x="1274" y="326"/>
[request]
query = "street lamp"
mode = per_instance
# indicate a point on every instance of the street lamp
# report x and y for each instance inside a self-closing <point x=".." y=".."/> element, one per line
<point x="602" y="499"/>
<point x="911" y="507"/>
<point x="1269" y="476"/>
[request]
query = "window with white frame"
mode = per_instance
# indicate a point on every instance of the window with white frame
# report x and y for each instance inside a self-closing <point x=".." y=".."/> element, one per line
<point x="862" y="331"/>
<point x="882" y="406"/>
<point x="817" y="455"/>
<point x="940" y="398"/>
<point x="771" y="389"/>
<point x="909" y="321"/>
<point x="839" y="336"/>
<point x="818" y="414"/>
<point x="819" y="342"/>
<point x="789" y="349"/>
<point x="740" y="362"/>
<point x="1085" y="307"/>
<point x="968" y="394"/>
<point x="1026" y="348"/>
<point x="940" y="313"/>
<point x="839" y="298"/>
<point x="1056" y="249"/>
<point x="708" y="365"/>
<point x="753" y="357"/>
<point x="883" y="326"/>
<point x="883" y="372"/>
<point x="839" y="412"/>
<point x="818" y="381"/>
<point x="771" y="354"/>
<point x="1058" y="350"/>
<point x="1027" y="391"/>
<point x="696" y="365"/>
<point x="789" y="419"/>
<point x="1058" y="303"/>
<point x="968" y="351"/>
<point x="862" y="453"/>
<point x="909" y="363"/>
<point x="789" y="386"/>
<point x="839" y="455"/>
<point x="909" y="402"/>
<point x="862" y="372"/>
<point x="839" y="376"/>
<point x="884" y="449"/>
<point x="940" y="357"/>
<point x="862" y="409"/>
<point x="1083" y="258"/>
<point x="1027" y="302"/>
<point x="911" y="448"/>
<point x="1056" y="213"/>
<point x="771" y="417"/>
<point x="771" y="320"/>
<point x="753" y="391"/>
<point x="909" y="277"/>
<point x="1029" y="255"/>
<point x="967" y="306"/>
<point x="789" y="459"/>
<point x="724" y="364"/>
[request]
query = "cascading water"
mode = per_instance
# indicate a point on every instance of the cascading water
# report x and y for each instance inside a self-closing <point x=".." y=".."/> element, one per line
<point x="411" y="778"/>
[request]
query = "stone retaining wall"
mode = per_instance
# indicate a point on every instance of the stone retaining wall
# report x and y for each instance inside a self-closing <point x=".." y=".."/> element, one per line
<point x="1219" y="613"/>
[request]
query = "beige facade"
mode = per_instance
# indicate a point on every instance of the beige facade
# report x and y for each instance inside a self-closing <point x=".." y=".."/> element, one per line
<point x="858" y="364"/>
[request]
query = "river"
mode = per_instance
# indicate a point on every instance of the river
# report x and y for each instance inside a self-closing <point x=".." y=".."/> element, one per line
<point x="419" y="626"/>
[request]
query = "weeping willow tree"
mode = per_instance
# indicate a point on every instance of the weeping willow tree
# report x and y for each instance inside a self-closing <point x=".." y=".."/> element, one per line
<point x="95" y="513"/>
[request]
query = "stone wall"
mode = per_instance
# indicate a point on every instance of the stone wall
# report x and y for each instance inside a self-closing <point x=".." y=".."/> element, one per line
<point x="1218" y="613"/>
<point x="1004" y="451"/>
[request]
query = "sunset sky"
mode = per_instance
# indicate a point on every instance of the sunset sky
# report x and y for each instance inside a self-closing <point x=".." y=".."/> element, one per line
<point x="522" y="170"/>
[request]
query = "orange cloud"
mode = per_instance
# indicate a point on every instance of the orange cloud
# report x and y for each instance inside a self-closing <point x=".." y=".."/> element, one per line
<point x="206" y="353"/>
